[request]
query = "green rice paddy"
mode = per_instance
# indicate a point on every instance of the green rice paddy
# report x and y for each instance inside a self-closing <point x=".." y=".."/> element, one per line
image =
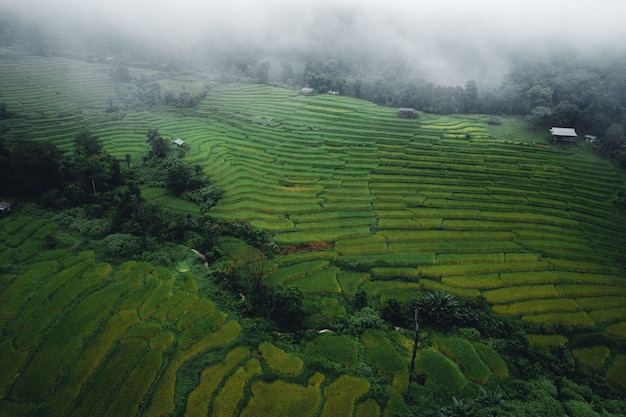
<point x="401" y="205"/>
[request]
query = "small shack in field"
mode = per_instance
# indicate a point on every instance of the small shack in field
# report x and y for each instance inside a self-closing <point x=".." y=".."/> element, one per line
<point x="590" y="138"/>
<point x="5" y="208"/>
<point x="407" y="113"/>
<point x="178" y="142"/>
<point x="307" y="91"/>
<point x="563" y="134"/>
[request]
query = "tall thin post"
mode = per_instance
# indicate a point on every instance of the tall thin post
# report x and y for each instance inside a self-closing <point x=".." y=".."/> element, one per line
<point x="417" y="328"/>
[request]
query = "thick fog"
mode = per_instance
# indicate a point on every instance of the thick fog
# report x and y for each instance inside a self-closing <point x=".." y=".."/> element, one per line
<point x="447" y="41"/>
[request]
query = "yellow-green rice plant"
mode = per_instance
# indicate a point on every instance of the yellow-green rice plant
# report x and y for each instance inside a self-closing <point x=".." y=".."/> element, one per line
<point x="136" y="298"/>
<point x="522" y="257"/>
<point x="200" y="328"/>
<point x="203" y="308"/>
<point x="382" y="355"/>
<point x="124" y="269"/>
<point x="469" y="258"/>
<point x="188" y="283"/>
<point x="367" y="408"/>
<point x="14" y="293"/>
<point x="162" y="399"/>
<point x="375" y="288"/>
<point x="480" y="281"/>
<point x="333" y="311"/>
<point x="556" y="277"/>
<point x="582" y="290"/>
<point x="200" y="398"/>
<point x="368" y="245"/>
<point x="470" y="293"/>
<point x="28" y="250"/>
<point x="134" y="390"/>
<point x="231" y="394"/>
<point x="280" y="361"/>
<point x="341" y="395"/>
<point x="601" y="302"/>
<point x="480" y="268"/>
<point x="594" y="357"/>
<point x="285" y="260"/>
<point x="11" y="360"/>
<point x="581" y="266"/>
<point x="520" y="292"/>
<point x="23" y="309"/>
<point x="395" y="403"/>
<point x="536" y="306"/>
<point x="321" y="235"/>
<point x="443" y="376"/>
<point x="608" y="315"/>
<point x="162" y="311"/>
<point x="291" y="272"/>
<point x="32" y="331"/>
<point x="145" y="330"/>
<point x="137" y="274"/>
<point x="465" y="355"/>
<point x="62" y="342"/>
<point x="14" y="224"/>
<point x="162" y="340"/>
<point x="160" y="294"/>
<point x="182" y="308"/>
<point x="98" y="390"/>
<point x="616" y="330"/>
<point x="577" y="318"/>
<point x="349" y="281"/>
<point x="51" y="255"/>
<point x="395" y="272"/>
<point x="492" y="359"/>
<point x="89" y="359"/>
<point x="452" y="246"/>
<point x="81" y="257"/>
<point x="282" y="399"/>
<point x="320" y="282"/>
<point x="341" y="349"/>
<point x="12" y="409"/>
<point x="616" y="373"/>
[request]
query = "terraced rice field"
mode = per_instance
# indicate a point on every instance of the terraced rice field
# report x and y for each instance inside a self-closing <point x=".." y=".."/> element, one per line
<point x="404" y="204"/>
<point x="435" y="201"/>
<point x="432" y="202"/>
<point x="81" y="338"/>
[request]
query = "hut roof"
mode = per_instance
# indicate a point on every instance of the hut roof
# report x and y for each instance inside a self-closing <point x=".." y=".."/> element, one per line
<point x="563" y="131"/>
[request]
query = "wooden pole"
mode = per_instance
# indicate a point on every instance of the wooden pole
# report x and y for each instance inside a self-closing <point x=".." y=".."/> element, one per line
<point x="417" y="328"/>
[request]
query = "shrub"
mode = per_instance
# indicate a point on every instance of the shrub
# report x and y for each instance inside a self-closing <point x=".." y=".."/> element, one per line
<point x="120" y="246"/>
<point x="443" y="309"/>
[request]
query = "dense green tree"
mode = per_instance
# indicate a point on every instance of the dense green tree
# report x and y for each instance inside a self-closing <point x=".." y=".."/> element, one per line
<point x="613" y="138"/>
<point x="538" y="116"/>
<point x="159" y="148"/>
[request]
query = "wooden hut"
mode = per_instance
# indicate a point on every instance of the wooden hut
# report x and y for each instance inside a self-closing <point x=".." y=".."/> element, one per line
<point x="407" y="113"/>
<point x="563" y="134"/>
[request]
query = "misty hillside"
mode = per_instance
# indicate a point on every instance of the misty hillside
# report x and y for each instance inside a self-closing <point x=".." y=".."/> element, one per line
<point x="331" y="208"/>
